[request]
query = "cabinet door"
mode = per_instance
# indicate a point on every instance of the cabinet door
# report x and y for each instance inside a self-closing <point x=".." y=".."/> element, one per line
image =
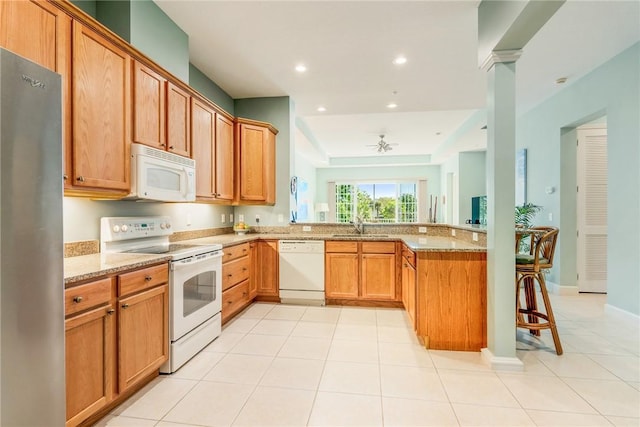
<point x="41" y="32"/>
<point x="224" y="158"/>
<point x="268" y="262"/>
<point x="341" y="275"/>
<point x="143" y="334"/>
<point x="178" y="120"/>
<point x="148" y="107"/>
<point x="202" y="144"/>
<point x="405" y="284"/>
<point x="254" y="268"/>
<point x="89" y="363"/>
<point x="253" y="152"/>
<point x="411" y="294"/>
<point x="378" y="276"/>
<point x="101" y="118"/>
<point x="270" y="169"/>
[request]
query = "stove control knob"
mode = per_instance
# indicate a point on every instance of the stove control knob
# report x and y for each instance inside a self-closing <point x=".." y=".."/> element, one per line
<point x="168" y="225"/>
<point x="124" y="228"/>
<point x="162" y="225"/>
<point x="116" y="228"/>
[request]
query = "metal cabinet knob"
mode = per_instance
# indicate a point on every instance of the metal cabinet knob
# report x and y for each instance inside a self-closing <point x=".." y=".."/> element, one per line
<point x="77" y="299"/>
<point x="110" y="311"/>
<point x="125" y="305"/>
<point x="65" y="177"/>
<point x="148" y="278"/>
<point x="171" y="147"/>
<point x="80" y="179"/>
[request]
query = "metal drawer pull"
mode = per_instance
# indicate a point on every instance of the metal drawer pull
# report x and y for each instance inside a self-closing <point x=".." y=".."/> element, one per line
<point x="148" y="278"/>
<point x="110" y="311"/>
<point x="77" y="299"/>
<point x="125" y="305"/>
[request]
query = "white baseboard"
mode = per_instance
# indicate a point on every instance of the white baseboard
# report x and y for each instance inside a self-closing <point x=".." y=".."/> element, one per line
<point x="623" y="314"/>
<point x="557" y="289"/>
<point x="501" y="363"/>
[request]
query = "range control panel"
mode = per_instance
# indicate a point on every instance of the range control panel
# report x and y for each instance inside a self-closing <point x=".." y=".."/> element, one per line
<point x="127" y="228"/>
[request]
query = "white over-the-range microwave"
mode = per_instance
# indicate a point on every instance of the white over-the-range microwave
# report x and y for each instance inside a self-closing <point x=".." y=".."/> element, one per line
<point x="161" y="176"/>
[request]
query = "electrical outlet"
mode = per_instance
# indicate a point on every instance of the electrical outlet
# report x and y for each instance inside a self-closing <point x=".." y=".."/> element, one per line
<point x="422" y="229"/>
<point x="475" y="237"/>
<point x="453" y="232"/>
<point x="280" y="218"/>
<point x="240" y="218"/>
<point x="231" y="218"/>
<point x="222" y="218"/>
<point x="257" y="219"/>
<point x="188" y="219"/>
<point x="422" y="240"/>
<point x="306" y="228"/>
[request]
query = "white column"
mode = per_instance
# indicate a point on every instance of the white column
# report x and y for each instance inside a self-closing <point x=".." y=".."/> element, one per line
<point x="501" y="330"/>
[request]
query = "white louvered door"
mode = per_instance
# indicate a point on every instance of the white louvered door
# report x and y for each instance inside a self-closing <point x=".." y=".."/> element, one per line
<point x="592" y="210"/>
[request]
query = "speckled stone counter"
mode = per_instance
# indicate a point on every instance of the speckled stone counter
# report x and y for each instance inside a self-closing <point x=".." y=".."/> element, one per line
<point x="414" y="241"/>
<point x="87" y="267"/>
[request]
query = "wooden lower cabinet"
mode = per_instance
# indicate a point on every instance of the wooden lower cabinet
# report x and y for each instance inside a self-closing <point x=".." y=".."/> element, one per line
<point x="89" y="363"/>
<point x="267" y="277"/>
<point x="452" y="300"/>
<point x="116" y="337"/>
<point x="362" y="271"/>
<point x="253" y="270"/>
<point x="236" y="278"/>
<point x="409" y="284"/>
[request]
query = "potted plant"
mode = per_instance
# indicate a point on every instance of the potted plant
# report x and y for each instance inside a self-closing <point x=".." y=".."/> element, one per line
<point x="524" y="215"/>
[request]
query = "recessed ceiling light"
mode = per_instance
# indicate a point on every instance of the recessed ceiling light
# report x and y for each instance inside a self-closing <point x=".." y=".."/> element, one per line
<point x="392" y="105"/>
<point x="301" y="68"/>
<point x="321" y="109"/>
<point x="400" y="60"/>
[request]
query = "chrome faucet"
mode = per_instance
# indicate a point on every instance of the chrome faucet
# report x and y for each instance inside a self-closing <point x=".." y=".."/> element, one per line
<point x="358" y="224"/>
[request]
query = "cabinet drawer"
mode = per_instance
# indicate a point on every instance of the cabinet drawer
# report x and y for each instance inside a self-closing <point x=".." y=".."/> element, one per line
<point x="235" y="252"/>
<point x="234" y="299"/>
<point x="235" y="272"/>
<point x="341" y="246"/>
<point x="378" y="247"/>
<point x="410" y="256"/>
<point x="86" y="296"/>
<point x="142" y="279"/>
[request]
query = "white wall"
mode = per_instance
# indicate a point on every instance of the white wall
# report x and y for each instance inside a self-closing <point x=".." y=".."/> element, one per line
<point x="82" y="216"/>
<point x="472" y="181"/>
<point x="307" y="171"/>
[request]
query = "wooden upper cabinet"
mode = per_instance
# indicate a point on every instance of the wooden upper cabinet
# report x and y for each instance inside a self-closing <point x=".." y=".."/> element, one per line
<point x="148" y="107"/>
<point x="178" y="120"/>
<point x="101" y="112"/>
<point x="202" y="144"/>
<point x="255" y="145"/>
<point x="39" y="31"/>
<point x="224" y="158"/>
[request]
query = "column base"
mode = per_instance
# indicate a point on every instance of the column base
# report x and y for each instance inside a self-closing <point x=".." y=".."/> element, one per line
<point x="501" y="363"/>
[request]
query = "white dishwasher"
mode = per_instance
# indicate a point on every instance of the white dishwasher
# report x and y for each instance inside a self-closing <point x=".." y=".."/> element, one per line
<point x="301" y="271"/>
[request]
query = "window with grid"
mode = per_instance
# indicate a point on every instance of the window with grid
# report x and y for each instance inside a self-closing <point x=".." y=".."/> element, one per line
<point x="384" y="202"/>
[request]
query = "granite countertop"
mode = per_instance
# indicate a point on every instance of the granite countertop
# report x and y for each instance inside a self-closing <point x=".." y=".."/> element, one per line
<point x="86" y="267"/>
<point x="414" y="242"/>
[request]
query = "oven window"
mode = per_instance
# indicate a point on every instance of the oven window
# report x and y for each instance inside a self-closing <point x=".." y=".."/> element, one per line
<point x="198" y="292"/>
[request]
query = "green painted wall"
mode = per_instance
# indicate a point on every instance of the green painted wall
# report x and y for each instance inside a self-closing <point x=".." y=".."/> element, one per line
<point x="88" y="6"/>
<point x="280" y="112"/>
<point x="210" y="89"/>
<point x="613" y="90"/>
<point x="116" y="15"/>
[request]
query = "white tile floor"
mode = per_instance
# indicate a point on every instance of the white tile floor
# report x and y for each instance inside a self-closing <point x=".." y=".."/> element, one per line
<point x="293" y="366"/>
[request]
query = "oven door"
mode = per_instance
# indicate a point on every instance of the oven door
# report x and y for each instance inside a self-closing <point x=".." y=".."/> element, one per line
<point x="196" y="292"/>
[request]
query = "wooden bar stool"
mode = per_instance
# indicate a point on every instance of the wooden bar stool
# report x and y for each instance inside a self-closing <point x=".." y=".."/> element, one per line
<point x="529" y="268"/>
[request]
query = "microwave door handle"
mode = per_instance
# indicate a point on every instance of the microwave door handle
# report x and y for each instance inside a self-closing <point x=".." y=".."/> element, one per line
<point x="189" y="182"/>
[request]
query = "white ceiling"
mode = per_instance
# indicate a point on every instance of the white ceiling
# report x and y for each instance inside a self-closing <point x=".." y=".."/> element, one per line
<point x="250" y="49"/>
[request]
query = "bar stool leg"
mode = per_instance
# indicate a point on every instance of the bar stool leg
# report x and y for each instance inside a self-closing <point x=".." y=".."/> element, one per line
<point x="552" y="320"/>
<point x="532" y="302"/>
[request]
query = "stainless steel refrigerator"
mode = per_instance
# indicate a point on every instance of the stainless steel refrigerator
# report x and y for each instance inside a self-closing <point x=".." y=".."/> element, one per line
<point x="32" y="363"/>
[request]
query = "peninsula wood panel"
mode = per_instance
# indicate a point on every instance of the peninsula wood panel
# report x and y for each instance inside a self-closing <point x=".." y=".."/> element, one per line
<point x="452" y="302"/>
<point x="148" y="107"/>
<point x="202" y="145"/>
<point x="101" y="112"/>
<point x="178" y="120"/>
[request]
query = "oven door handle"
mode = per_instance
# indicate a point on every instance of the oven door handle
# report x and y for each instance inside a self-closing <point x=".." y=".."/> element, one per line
<point x="197" y="259"/>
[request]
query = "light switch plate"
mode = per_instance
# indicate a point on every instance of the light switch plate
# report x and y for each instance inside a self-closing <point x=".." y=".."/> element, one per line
<point x="240" y="217"/>
<point x="306" y="228"/>
<point x="230" y="217"/>
<point x="222" y="218"/>
<point x="550" y="216"/>
<point x="188" y="219"/>
<point x="453" y="232"/>
<point x="422" y="229"/>
<point x="280" y="218"/>
<point x="475" y="237"/>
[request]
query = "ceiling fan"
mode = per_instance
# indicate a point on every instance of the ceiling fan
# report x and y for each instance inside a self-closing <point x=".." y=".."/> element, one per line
<point x="382" y="145"/>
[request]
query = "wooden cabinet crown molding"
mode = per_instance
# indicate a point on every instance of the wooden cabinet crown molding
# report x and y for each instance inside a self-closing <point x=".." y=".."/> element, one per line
<point x="269" y="126"/>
